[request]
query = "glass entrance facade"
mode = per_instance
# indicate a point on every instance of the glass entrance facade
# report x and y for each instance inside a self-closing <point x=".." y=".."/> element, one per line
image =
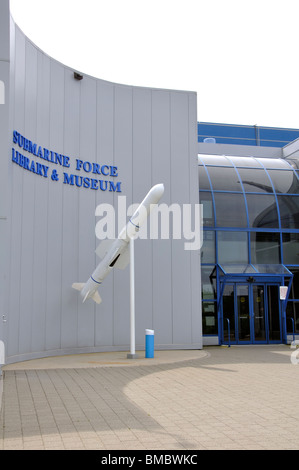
<point x="250" y="248"/>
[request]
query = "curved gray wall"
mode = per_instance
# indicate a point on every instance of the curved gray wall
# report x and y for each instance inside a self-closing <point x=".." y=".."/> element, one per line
<point x="150" y="135"/>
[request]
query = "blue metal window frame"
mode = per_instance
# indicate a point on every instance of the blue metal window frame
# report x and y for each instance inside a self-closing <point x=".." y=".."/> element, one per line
<point x="246" y="134"/>
<point x="282" y="317"/>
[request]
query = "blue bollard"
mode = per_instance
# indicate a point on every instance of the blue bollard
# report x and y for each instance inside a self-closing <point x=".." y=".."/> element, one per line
<point x="149" y="343"/>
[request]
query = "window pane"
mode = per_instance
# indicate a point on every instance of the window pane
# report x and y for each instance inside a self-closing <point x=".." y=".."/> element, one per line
<point x="224" y="179"/>
<point x="208" y="247"/>
<point x="203" y="178"/>
<point x="290" y="245"/>
<point x="294" y="292"/>
<point x="218" y="160"/>
<point x="292" y="312"/>
<point x="255" y="180"/>
<point x="232" y="247"/>
<point x="237" y="269"/>
<point x="245" y="162"/>
<point x="209" y="318"/>
<point x="205" y="198"/>
<point x="230" y="210"/>
<point x="262" y="211"/>
<point x="274" y="163"/>
<point x="208" y="282"/>
<point x="273" y="313"/>
<point x="284" y="181"/>
<point x="293" y="161"/>
<point x="264" y="248"/>
<point x="289" y="211"/>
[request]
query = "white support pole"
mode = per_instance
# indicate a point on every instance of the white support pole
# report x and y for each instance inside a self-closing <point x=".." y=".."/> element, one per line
<point x="132" y="354"/>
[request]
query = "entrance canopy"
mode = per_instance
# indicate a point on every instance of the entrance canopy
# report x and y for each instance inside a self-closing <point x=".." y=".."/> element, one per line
<point x="251" y="271"/>
<point x="254" y="273"/>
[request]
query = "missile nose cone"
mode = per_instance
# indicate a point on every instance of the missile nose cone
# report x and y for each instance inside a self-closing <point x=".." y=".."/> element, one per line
<point x="159" y="189"/>
<point x="153" y="197"/>
<point x="157" y="192"/>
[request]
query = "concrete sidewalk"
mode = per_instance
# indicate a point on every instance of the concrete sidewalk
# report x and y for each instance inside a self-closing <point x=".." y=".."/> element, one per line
<point x="219" y="398"/>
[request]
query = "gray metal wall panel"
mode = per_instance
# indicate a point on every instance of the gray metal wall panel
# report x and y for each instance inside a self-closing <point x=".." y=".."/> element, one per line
<point x="162" y="269"/>
<point x="87" y="200"/>
<point x="55" y="213"/>
<point x="29" y="244"/>
<point x="70" y="222"/>
<point x="4" y="119"/>
<point x="148" y="134"/>
<point x="104" y="319"/>
<point x="123" y="145"/>
<point x="4" y="126"/>
<point x="4" y="28"/>
<point x="13" y="324"/>
<point x="179" y="167"/>
<point x="142" y="157"/>
<point x="41" y="188"/>
<point x="195" y="269"/>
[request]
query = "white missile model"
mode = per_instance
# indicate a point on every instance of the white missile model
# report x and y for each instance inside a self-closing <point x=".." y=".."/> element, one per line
<point x="115" y="253"/>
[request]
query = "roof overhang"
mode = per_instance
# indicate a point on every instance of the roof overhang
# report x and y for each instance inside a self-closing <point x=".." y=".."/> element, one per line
<point x="251" y="272"/>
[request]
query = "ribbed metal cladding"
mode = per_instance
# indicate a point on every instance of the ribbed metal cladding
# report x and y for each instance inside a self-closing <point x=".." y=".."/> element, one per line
<point x="150" y="136"/>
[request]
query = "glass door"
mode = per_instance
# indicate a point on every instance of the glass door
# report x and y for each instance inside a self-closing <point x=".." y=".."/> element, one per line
<point x="274" y="317"/>
<point x="228" y="303"/>
<point x="259" y="312"/>
<point x="266" y="313"/>
<point x="251" y="313"/>
<point x="243" y="313"/>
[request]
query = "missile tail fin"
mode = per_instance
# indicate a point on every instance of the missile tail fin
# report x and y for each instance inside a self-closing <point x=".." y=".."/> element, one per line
<point x="78" y="285"/>
<point x="97" y="298"/>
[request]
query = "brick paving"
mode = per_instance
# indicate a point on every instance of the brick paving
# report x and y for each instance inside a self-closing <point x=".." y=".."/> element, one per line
<point x="219" y="398"/>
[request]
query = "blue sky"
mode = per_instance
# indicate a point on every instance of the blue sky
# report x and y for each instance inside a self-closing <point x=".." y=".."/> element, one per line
<point x="240" y="57"/>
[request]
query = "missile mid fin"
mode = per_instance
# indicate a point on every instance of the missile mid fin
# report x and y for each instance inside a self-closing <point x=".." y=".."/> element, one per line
<point x="104" y="247"/>
<point x="123" y="259"/>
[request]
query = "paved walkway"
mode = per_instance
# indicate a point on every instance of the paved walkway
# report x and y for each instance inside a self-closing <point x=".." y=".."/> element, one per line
<point x="219" y="398"/>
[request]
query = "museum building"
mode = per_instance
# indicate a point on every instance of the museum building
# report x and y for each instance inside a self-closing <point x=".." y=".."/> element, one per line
<point x="70" y="143"/>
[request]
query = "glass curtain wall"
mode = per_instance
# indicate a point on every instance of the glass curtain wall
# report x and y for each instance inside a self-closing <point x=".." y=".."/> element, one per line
<point x="250" y="215"/>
